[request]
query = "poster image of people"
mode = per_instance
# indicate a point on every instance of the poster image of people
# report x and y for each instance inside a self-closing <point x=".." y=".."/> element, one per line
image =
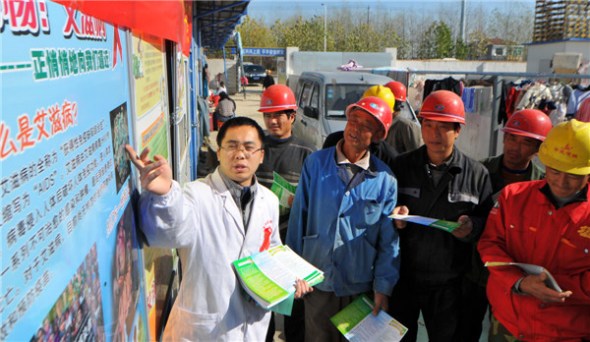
<point x="125" y="277"/>
<point x="77" y="315"/>
<point x="120" y="137"/>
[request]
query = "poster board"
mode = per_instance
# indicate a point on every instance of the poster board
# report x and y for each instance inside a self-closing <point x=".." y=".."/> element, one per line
<point x="70" y="256"/>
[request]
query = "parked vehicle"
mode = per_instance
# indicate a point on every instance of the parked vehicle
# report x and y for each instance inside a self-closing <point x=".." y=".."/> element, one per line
<point x="322" y="98"/>
<point x="255" y="73"/>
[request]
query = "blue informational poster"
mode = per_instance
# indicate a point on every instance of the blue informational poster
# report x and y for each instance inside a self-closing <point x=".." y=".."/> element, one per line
<point x="70" y="258"/>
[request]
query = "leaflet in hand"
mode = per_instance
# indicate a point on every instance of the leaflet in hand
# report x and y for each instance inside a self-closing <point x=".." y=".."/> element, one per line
<point x="357" y="323"/>
<point x="284" y="190"/>
<point x="269" y="276"/>
<point x="530" y="269"/>
<point x="447" y="226"/>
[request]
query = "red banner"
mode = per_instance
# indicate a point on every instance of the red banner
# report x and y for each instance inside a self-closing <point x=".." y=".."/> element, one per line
<point x="161" y="18"/>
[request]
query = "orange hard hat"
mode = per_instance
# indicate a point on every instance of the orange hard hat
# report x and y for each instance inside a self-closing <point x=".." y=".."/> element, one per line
<point x="277" y="98"/>
<point x="530" y="123"/>
<point x="398" y="89"/>
<point x="444" y="106"/>
<point x="377" y="107"/>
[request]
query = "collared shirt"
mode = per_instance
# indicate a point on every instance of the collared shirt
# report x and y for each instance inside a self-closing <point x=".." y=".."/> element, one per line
<point x="351" y="169"/>
<point x="243" y="196"/>
<point x="436" y="172"/>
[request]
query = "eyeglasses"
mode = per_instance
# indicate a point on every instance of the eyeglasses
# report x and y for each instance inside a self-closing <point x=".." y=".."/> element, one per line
<point x="248" y="149"/>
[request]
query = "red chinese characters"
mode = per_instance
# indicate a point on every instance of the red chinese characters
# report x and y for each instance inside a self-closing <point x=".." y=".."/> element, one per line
<point x="45" y="124"/>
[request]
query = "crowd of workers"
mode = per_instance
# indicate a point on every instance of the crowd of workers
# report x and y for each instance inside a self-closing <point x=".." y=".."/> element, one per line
<point x="509" y="210"/>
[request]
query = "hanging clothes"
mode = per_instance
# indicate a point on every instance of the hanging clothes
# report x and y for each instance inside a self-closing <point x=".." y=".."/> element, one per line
<point x="448" y="83"/>
<point x="579" y="94"/>
<point x="534" y="95"/>
<point x="583" y="113"/>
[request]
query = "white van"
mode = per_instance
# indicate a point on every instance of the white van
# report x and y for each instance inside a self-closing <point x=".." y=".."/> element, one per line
<point x="322" y="98"/>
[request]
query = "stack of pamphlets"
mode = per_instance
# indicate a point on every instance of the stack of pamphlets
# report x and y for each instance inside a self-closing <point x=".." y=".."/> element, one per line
<point x="269" y="277"/>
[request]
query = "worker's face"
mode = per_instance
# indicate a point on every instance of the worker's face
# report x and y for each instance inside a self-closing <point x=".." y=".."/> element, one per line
<point x="519" y="151"/>
<point x="563" y="184"/>
<point x="279" y="124"/>
<point x="361" y="129"/>
<point x="240" y="154"/>
<point x="439" y="137"/>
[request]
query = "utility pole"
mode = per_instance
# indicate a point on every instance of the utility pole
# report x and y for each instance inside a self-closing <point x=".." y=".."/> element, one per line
<point x="325" y="27"/>
<point x="368" y="15"/>
<point x="462" y="28"/>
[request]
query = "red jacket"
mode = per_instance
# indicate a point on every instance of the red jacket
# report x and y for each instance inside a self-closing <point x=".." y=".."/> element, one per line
<point x="525" y="227"/>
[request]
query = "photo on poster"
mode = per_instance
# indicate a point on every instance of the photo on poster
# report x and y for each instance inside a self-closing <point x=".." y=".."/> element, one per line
<point x="125" y="275"/>
<point x="77" y="315"/>
<point x="120" y="137"/>
<point x="139" y="333"/>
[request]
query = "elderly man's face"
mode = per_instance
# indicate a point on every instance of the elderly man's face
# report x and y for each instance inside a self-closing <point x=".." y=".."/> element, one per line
<point x="563" y="184"/>
<point x="361" y="129"/>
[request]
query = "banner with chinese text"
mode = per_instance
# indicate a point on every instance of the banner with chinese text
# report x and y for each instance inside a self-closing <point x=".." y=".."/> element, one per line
<point x="70" y="259"/>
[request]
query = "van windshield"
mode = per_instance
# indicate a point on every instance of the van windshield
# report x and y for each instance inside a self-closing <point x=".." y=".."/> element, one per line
<point x="339" y="96"/>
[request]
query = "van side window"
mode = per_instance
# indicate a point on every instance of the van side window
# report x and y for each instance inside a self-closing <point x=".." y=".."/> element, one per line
<point x="315" y="98"/>
<point x="305" y="95"/>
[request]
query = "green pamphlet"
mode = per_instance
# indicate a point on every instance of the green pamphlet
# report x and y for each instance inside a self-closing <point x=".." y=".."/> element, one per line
<point x="269" y="277"/>
<point x="447" y="226"/>
<point x="284" y="190"/>
<point x="357" y="323"/>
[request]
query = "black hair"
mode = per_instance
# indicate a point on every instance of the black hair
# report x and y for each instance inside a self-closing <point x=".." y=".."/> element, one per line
<point x="223" y="95"/>
<point x="239" y="121"/>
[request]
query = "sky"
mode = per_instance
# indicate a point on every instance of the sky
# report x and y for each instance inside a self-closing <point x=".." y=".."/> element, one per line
<point x="271" y="10"/>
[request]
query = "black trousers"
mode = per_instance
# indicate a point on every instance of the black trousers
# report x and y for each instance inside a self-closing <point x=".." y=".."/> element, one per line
<point x="294" y="325"/>
<point x="440" y="306"/>
<point x="474" y="305"/>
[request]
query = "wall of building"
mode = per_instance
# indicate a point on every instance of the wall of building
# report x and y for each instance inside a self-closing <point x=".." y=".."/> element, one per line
<point x="216" y="66"/>
<point x="459" y="65"/>
<point x="300" y="61"/>
<point x="539" y="56"/>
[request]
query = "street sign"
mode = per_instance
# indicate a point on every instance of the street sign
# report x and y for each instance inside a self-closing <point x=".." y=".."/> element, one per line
<point x="261" y="52"/>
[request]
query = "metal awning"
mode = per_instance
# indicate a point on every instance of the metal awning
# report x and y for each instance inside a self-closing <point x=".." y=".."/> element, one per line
<point x="217" y="19"/>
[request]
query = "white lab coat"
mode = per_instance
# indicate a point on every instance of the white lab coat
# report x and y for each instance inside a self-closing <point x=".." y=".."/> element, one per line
<point x="206" y="226"/>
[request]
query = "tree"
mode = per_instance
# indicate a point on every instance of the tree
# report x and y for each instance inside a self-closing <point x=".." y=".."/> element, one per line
<point x="433" y="33"/>
<point x="461" y="49"/>
<point x="256" y="34"/>
<point x="436" y="42"/>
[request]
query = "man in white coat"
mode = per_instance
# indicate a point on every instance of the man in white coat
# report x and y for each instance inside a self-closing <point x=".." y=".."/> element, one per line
<point x="213" y="222"/>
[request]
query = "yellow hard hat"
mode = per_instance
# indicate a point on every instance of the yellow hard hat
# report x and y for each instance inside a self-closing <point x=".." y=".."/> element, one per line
<point x="381" y="92"/>
<point x="567" y="148"/>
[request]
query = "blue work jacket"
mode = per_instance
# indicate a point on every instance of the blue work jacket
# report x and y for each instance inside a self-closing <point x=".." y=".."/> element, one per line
<point x="343" y="227"/>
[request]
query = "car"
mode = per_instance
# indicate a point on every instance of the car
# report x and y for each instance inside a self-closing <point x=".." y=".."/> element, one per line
<point x="255" y="73"/>
<point x="322" y="98"/>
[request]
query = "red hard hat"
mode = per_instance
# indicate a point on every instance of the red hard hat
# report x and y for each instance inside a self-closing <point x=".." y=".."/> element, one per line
<point x="377" y="107"/>
<point x="277" y="98"/>
<point x="398" y="89"/>
<point x="444" y="106"/>
<point x="530" y="123"/>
